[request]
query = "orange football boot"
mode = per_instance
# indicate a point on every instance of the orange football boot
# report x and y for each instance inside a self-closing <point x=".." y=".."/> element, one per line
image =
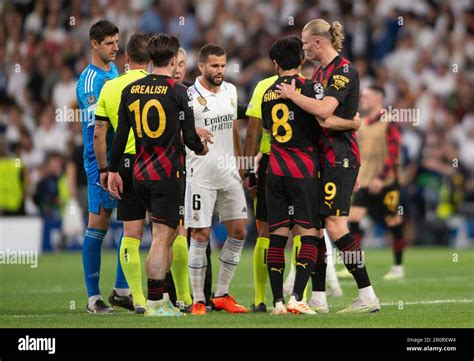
<point x="228" y="303"/>
<point x="199" y="308"/>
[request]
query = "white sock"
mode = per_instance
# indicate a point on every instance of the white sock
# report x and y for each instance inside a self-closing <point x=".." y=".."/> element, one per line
<point x="367" y="293"/>
<point x="166" y="296"/>
<point x="331" y="277"/>
<point x="92" y="299"/>
<point x="155" y="304"/>
<point x="319" y="298"/>
<point x="290" y="279"/>
<point x="228" y="261"/>
<point x="122" y="292"/>
<point x="397" y="268"/>
<point x="197" y="265"/>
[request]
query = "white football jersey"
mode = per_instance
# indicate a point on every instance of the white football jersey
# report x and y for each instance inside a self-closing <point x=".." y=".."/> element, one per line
<point x="216" y="113"/>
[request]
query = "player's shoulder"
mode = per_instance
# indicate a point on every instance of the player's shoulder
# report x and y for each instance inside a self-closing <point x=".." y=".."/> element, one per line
<point x="192" y="91"/>
<point x="264" y="84"/>
<point x="228" y="86"/>
<point x="85" y="81"/>
<point x="344" y="66"/>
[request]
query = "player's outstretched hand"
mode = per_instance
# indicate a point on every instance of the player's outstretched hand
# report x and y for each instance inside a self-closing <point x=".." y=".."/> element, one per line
<point x="205" y="149"/>
<point x="103" y="180"/>
<point x="205" y="134"/>
<point x="115" y="184"/>
<point x="286" y="90"/>
<point x="357" y="121"/>
<point x="250" y="185"/>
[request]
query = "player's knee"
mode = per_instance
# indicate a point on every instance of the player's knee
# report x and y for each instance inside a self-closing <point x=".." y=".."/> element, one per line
<point x="200" y="235"/>
<point x="263" y="230"/>
<point x="239" y="233"/>
<point x="133" y="230"/>
<point x="335" y="227"/>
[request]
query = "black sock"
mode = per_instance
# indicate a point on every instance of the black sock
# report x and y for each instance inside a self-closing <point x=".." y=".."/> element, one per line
<point x="351" y="254"/>
<point x="398" y="244"/>
<point x="318" y="277"/>
<point x="155" y="289"/>
<point x="208" y="276"/>
<point x="305" y="264"/>
<point x="276" y="265"/>
<point x="169" y="287"/>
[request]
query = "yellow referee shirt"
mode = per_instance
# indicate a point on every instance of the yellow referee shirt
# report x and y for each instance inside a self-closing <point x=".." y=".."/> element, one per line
<point x="109" y="101"/>
<point x="254" y="109"/>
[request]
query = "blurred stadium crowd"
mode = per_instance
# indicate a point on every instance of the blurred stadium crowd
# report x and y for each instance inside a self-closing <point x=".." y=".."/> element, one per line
<point x="421" y="52"/>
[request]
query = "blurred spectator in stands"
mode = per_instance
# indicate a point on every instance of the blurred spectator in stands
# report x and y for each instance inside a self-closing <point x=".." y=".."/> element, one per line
<point x="76" y="176"/>
<point x="151" y="22"/>
<point x="50" y="137"/>
<point x="48" y="191"/>
<point x="64" y="94"/>
<point x="13" y="182"/>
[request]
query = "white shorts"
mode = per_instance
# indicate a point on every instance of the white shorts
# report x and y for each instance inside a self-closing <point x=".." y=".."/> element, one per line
<point x="200" y="203"/>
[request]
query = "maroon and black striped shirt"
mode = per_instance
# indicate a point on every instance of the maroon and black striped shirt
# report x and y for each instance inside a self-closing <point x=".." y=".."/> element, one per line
<point x="294" y="133"/>
<point x="339" y="79"/>
<point x="157" y="109"/>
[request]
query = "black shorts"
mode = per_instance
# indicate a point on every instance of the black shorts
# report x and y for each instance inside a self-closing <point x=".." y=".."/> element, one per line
<point x="130" y="208"/>
<point x="336" y="190"/>
<point x="163" y="199"/>
<point x="292" y="201"/>
<point x="261" y="209"/>
<point x="381" y="205"/>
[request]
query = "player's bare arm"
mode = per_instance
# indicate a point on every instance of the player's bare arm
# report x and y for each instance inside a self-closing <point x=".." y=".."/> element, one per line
<point x="334" y="122"/>
<point x="254" y="130"/>
<point x="237" y="147"/>
<point x="100" y="149"/>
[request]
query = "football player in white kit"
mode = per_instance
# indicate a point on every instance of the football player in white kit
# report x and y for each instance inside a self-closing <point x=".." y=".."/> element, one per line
<point x="213" y="182"/>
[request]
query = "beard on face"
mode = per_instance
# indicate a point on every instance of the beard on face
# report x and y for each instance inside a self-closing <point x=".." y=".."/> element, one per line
<point x="212" y="79"/>
<point x="107" y="58"/>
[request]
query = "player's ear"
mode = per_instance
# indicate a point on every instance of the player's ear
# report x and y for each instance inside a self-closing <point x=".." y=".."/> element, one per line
<point x="201" y="67"/>
<point x="275" y="65"/>
<point x="94" y="44"/>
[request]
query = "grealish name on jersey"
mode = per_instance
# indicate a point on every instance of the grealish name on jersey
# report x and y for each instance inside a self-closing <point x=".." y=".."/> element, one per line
<point x="150" y="89"/>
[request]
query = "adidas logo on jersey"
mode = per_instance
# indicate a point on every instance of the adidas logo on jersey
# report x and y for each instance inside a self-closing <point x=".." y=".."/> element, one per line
<point x="206" y="109"/>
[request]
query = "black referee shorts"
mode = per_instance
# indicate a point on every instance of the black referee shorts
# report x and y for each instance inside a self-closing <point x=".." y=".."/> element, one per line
<point x="261" y="212"/>
<point x="130" y="208"/>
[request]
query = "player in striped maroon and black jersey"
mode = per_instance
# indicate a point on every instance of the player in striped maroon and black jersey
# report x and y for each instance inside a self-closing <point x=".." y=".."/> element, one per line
<point x="292" y="185"/>
<point x="157" y="108"/>
<point x="338" y="88"/>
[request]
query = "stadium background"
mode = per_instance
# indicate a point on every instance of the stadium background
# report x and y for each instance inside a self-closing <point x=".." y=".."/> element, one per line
<point x="421" y="52"/>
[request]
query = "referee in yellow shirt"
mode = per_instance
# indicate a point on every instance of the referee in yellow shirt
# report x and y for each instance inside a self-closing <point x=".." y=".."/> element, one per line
<point x="130" y="209"/>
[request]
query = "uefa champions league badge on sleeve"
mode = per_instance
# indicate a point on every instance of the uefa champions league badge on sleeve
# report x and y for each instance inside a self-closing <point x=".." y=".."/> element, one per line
<point x="202" y="100"/>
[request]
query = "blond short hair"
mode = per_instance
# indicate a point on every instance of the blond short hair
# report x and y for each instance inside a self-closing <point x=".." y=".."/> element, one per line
<point x="334" y="32"/>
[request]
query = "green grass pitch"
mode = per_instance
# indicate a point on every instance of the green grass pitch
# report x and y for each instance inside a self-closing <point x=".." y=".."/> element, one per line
<point x="438" y="291"/>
